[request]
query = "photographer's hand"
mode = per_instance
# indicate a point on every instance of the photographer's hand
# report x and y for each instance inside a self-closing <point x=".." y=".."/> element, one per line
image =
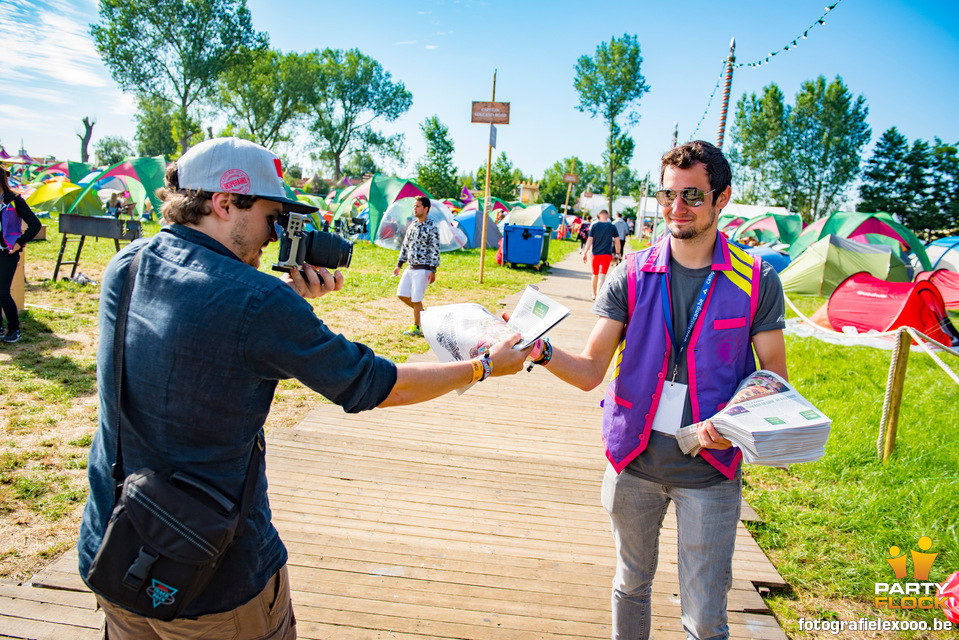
<point x="314" y="282"/>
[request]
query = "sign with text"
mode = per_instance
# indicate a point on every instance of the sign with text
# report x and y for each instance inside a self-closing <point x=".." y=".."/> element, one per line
<point x="491" y="112"/>
<point x="571" y="178"/>
<point x="492" y="135"/>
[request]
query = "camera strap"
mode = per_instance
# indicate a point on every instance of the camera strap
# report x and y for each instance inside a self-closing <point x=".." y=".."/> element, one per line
<point x="119" y="338"/>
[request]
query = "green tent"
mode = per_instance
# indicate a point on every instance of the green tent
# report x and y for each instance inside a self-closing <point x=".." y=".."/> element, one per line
<point x="147" y="174"/>
<point x="770" y="227"/>
<point x="380" y="192"/>
<point x="829" y="261"/>
<point x="864" y="228"/>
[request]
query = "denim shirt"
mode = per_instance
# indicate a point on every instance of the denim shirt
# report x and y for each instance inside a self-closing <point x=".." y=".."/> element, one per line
<point x="208" y="337"/>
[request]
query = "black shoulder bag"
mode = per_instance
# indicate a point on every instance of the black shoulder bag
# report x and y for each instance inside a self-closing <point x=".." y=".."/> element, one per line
<point x="169" y="531"/>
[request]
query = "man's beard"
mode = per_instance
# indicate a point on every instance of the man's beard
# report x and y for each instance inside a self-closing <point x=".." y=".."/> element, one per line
<point x="691" y="231"/>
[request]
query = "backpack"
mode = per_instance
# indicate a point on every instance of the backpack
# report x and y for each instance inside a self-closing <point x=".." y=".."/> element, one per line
<point x="10" y="223"/>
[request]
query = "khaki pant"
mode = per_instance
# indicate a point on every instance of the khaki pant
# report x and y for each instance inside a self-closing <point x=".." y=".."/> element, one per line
<point x="268" y="616"/>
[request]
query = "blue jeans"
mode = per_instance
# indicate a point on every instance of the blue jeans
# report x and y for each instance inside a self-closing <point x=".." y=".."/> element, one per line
<point x="706" y="521"/>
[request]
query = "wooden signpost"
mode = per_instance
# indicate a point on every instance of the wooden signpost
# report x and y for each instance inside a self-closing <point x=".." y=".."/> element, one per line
<point x="492" y="113"/>
<point x="570" y="179"/>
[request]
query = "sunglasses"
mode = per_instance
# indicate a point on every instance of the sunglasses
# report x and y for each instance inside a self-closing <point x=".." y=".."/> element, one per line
<point x="692" y="197"/>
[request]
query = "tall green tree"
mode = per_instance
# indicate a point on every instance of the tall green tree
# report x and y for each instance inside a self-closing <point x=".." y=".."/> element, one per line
<point x="883" y="178"/>
<point x="944" y="182"/>
<point x="616" y="159"/>
<point x="360" y="164"/>
<point x="827" y="131"/>
<point x="353" y="91"/>
<point x="610" y="85"/>
<point x="154" y="134"/>
<point x="174" y="50"/>
<point x="760" y="144"/>
<point x="436" y="172"/>
<point x="806" y="158"/>
<point x="267" y="92"/>
<point x="110" y="150"/>
<point x="503" y="179"/>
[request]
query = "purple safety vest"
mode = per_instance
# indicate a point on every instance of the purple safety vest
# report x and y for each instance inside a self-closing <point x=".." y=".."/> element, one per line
<point x="719" y="355"/>
<point x="11" y="226"/>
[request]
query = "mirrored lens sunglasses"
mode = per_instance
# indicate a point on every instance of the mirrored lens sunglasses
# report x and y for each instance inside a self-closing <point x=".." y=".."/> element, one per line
<point x="692" y="197"/>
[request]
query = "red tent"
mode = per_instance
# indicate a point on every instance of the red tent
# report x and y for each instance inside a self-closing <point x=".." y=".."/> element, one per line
<point x="947" y="282"/>
<point x="866" y="303"/>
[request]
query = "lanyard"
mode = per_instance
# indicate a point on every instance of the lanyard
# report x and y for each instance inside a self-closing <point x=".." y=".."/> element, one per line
<point x="697" y="309"/>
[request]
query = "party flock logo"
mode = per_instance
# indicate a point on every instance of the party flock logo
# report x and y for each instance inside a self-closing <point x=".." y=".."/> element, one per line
<point x="919" y="593"/>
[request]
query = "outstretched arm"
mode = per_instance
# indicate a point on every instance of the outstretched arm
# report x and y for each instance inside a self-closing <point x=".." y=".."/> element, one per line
<point x="588" y="369"/>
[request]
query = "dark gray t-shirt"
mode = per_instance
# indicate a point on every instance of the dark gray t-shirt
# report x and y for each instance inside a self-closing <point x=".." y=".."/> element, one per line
<point x="662" y="460"/>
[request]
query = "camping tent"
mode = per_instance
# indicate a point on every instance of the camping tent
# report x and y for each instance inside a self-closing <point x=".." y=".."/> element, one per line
<point x="65" y="197"/>
<point x="471" y="223"/>
<point x="779" y="261"/>
<point x="770" y="227"/>
<point x="820" y="269"/>
<point x="147" y="174"/>
<point x="398" y="216"/>
<point x="495" y="205"/>
<point x="866" y="228"/>
<point x="380" y="192"/>
<point x="535" y="215"/>
<point x="868" y="303"/>
<point x="943" y="253"/>
<point x="947" y="282"/>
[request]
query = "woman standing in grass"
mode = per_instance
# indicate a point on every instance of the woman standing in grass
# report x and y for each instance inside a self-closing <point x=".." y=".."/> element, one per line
<point x="13" y="210"/>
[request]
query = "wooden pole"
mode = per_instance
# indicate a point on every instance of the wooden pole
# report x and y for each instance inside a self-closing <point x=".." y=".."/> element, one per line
<point x="569" y="187"/>
<point x="726" y="89"/>
<point x="489" y="165"/>
<point x="897" y="379"/>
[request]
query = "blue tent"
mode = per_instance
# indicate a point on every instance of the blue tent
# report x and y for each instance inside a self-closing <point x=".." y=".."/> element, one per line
<point x="472" y="225"/>
<point x="779" y="261"/>
<point x="535" y="215"/>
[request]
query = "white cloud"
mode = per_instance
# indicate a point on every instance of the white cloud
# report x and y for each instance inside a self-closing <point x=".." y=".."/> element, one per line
<point x="432" y="46"/>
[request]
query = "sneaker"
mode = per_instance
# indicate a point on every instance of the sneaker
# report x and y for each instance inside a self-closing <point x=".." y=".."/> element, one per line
<point x="14" y="336"/>
<point x="413" y="331"/>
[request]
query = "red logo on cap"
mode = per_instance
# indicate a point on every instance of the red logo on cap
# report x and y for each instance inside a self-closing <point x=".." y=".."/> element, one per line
<point x="235" y="181"/>
<point x="279" y="167"/>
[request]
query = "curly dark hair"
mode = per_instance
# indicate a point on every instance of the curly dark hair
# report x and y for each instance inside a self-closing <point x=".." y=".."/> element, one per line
<point x="188" y="206"/>
<point x="686" y="155"/>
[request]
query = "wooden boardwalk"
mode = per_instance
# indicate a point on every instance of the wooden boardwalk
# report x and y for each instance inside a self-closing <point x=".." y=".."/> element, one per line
<point x="470" y="517"/>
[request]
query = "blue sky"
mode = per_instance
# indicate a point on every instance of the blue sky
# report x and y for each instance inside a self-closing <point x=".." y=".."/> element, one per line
<point x="903" y="57"/>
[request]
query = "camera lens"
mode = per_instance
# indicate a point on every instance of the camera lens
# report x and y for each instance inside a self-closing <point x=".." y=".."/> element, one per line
<point x="327" y="250"/>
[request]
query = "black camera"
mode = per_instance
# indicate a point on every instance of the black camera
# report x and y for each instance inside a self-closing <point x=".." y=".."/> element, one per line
<point x="315" y="247"/>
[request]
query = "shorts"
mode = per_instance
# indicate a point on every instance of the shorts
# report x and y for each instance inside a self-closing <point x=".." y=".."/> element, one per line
<point x="413" y="284"/>
<point x="601" y="264"/>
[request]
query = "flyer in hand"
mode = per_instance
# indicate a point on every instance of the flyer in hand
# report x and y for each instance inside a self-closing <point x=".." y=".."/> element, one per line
<point x="463" y="331"/>
<point x="769" y="421"/>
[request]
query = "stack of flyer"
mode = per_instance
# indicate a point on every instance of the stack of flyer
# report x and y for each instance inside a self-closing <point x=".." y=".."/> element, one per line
<point x="463" y="331"/>
<point x="769" y="421"/>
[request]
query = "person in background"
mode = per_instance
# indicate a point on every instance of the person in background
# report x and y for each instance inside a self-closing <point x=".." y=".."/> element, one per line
<point x="603" y="243"/>
<point x="14" y="211"/>
<point x="114" y="208"/>
<point x="683" y="318"/>
<point x="582" y="232"/>
<point x="421" y="248"/>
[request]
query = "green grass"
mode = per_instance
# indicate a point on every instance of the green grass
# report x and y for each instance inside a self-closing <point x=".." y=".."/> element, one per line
<point x="829" y="524"/>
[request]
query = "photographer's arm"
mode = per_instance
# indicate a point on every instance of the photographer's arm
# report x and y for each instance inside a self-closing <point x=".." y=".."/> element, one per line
<point x="419" y="382"/>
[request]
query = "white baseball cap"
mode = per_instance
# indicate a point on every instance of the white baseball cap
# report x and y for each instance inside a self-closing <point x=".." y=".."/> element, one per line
<point x="234" y="165"/>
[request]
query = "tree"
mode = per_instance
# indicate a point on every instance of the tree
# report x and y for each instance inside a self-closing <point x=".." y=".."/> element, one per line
<point x="360" y="164"/>
<point x="85" y="138"/>
<point x="806" y="158"/>
<point x="353" y="91"/>
<point x="174" y="50"/>
<point x="759" y="144"/>
<point x="266" y="93"/>
<point x="503" y="182"/>
<point x="437" y="173"/>
<point x="944" y="182"/>
<point x="610" y="85"/>
<point x="110" y="150"/>
<point x="154" y="136"/>
<point x="827" y="131"/>
<point x="883" y="176"/>
<point x="616" y="160"/>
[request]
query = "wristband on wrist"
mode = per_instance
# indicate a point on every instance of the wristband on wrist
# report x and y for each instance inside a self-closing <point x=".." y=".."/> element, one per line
<point x="544" y="357"/>
<point x="487" y="365"/>
<point x="478" y="370"/>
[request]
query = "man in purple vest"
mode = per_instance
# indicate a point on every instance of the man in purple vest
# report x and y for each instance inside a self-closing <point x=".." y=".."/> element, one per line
<point x="683" y="318"/>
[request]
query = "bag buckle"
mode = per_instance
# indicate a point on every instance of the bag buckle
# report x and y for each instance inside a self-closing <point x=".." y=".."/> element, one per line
<point x="138" y="571"/>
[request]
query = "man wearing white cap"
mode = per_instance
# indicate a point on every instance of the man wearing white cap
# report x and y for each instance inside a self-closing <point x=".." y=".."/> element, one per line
<point x="208" y="336"/>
